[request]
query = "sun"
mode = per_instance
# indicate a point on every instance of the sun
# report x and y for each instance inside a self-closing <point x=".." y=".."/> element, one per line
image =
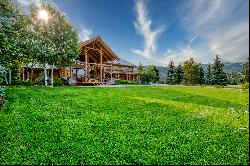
<point x="43" y="14"/>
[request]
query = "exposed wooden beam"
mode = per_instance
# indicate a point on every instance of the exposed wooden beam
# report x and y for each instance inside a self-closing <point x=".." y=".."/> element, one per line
<point x="101" y="65"/>
<point x="86" y="63"/>
<point x="105" y="51"/>
<point x="90" y="48"/>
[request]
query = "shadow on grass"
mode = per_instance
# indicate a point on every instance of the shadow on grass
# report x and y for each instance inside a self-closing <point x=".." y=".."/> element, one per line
<point x="191" y="98"/>
<point x="114" y="130"/>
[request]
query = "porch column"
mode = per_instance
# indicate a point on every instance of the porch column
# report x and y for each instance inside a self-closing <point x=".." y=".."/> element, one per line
<point x="23" y="73"/>
<point x="101" y="65"/>
<point x="86" y="63"/>
<point x="95" y="73"/>
<point x="71" y="72"/>
<point x="111" y="72"/>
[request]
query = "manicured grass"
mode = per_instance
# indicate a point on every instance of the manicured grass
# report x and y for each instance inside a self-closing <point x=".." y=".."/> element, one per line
<point x="125" y="125"/>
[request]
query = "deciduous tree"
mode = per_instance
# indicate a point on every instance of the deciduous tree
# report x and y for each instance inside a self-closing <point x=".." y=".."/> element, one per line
<point x="191" y="72"/>
<point x="13" y="37"/>
<point x="59" y="42"/>
<point x="149" y="75"/>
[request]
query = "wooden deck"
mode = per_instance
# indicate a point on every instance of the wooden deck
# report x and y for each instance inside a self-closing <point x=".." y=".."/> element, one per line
<point x="89" y="83"/>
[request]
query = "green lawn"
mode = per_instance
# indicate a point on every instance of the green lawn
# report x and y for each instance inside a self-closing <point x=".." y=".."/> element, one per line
<point x="125" y="125"/>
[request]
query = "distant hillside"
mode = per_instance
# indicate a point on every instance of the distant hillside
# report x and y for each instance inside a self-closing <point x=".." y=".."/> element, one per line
<point x="228" y="66"/>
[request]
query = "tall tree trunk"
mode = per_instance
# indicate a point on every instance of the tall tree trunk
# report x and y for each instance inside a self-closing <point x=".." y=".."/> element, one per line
<point x="52" y="75"/>
<point x="19" y="73"/>
<point x="28" y="74"/>
<point x="6" y="80"/>
<point x="23" y="73"/>
<point x="10" y="76"/>
<point x="31" y="73"/>
<point x="45" y="74"/>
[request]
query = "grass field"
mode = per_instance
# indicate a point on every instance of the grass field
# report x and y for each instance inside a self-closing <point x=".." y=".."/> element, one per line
<point x="125" y="125"/>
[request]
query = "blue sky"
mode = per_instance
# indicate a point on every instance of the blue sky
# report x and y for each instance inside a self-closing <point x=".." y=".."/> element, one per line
<point x="158" y="31"/>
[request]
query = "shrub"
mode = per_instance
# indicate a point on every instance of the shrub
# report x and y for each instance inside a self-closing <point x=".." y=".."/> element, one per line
<point x="117" y="82"/>
<point x="23" y="82"/>
<point x="2" y="92"/>
<point x="39" y="80"/>
<point x="218" y="86"/>
<point x="26" y="83"/>
<point x="245" y="86"/>
<point x="58" y="82"/>
<point x="2" y="74"/>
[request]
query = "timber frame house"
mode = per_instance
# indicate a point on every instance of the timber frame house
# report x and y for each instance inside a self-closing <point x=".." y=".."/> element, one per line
<point x="96" y="64"/>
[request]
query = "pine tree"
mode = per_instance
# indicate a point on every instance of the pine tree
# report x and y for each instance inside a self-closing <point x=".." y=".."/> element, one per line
<point x="245" y="71"/>
<point x="140" y="67"/>
<point x="171" y="73"/>
<point x="219" y="77"/>
<point x="208" y="76"/>
<point x="178" y="74"/>
<point x="201" y="79"/>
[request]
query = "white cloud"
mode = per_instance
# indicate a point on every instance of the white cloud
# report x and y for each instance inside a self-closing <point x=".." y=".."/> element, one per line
<point x="232" y="44"/>
<point x="223" y="26"/>
<point x="85" y="33"/>
<point x="25" y="2"/>
<point x="143" y="27"/>
<point x="192" y="39"/>
<point x="197" y="15"/>
<point x="183" y="54"/>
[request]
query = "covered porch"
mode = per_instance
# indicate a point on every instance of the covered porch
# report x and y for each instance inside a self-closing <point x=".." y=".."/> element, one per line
<point x="90" y="65"/>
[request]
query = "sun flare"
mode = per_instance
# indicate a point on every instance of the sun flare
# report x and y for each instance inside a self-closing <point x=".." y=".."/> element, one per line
<point x="43" y="14"/>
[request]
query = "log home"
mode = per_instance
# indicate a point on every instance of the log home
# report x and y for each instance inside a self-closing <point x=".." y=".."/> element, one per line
<point x="96" y="64"/>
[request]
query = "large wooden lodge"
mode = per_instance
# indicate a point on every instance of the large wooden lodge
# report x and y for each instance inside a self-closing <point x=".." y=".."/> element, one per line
<point x="96" y="64"/>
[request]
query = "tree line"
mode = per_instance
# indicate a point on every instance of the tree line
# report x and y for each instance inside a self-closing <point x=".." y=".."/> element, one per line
<point x="27" y="39"/>
<point x="192" y="73"/>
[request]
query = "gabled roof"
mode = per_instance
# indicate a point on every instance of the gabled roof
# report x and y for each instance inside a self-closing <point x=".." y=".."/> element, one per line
<point x="86" y="42"/>
<point x="102" y="44"/>
<point x="123" y="62"/>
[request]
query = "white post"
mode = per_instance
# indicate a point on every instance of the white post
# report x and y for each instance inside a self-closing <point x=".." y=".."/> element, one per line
<point x="52" y="70"/>
<point x="45" y="74"/>
<point x="10" y="76"/>
<point x="6" y="80"/>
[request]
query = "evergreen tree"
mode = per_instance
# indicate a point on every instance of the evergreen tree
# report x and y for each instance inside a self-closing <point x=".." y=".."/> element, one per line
<point x="246" y="71"/>
<point x="208" y="76"/>
<point x="219" y="77"/>
<point x="140" y="67"/>
<point x="171" y="73"/>
<point x="234" y="77"/>
<point x="178" y="74"/>
<point x="201" y="79"/>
